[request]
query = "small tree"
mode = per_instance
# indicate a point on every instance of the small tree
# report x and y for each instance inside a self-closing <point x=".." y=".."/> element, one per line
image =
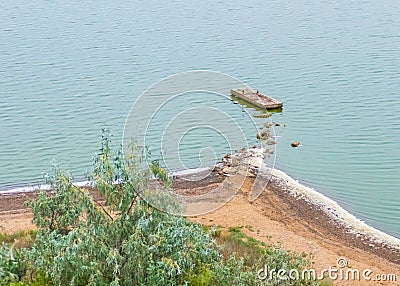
<point x="121" y="241"/>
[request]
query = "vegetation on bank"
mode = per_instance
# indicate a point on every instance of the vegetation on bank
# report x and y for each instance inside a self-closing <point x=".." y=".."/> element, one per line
<point x="126" y="241"/>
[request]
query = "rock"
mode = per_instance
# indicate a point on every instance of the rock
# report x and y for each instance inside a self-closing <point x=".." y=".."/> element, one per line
<point x="256" y="152"/>
<point x="251" y="175"/>
<point x="219" y="166"/>
<point x="235" y="162"/>
<point x="295" y="144"/>
<point x="262" y="134"/>
<point x="227" y="170"/>
<point x="256" y="162"/>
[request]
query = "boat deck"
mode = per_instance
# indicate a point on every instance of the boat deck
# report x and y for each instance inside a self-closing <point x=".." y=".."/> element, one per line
<point x="256" y="98"/>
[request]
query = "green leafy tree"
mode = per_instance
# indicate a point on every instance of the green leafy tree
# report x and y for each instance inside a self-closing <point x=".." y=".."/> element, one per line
<point x="121" y="240"/>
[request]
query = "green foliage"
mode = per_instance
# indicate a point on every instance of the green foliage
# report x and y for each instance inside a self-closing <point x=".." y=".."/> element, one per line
<point x="325" y="282"/>
<point x="9" y="264"/>
<point x="17" y="236"/>
<point x="232" y="272"/>
<point x="244" y="256"/>
<point x="123" y="240"/>
<point x="202" y="277"/>
<point x="235" y="229"/>
<point x="60" y="210"/>
<point x="160" y="173"/>
<point x="37" y="279"/>
<point x="15" y="266"/>
<point x="163" y="200"/>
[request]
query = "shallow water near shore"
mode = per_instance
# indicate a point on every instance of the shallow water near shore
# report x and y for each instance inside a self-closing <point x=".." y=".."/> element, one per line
<point x="67" y="69"/>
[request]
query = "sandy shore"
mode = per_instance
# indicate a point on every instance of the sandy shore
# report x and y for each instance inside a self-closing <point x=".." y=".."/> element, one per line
<point x="305" y="221"/>
<point x="300" y="219"/>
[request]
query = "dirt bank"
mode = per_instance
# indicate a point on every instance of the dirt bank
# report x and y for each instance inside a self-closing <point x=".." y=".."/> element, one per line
<point x="275" y="217"/>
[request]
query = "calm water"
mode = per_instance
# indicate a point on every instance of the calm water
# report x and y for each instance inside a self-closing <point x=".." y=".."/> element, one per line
<point x="69" y="68"/>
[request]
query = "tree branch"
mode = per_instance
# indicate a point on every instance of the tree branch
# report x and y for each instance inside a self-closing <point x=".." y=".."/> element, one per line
<point x="99" y="204"/>
<point x="104" y="210"/>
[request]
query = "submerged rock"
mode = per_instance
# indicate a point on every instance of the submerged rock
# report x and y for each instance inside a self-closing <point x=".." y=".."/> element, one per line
<point x="262" y="134"/>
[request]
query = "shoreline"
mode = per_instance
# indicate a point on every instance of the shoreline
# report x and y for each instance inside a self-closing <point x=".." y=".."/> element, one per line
<point x="320" y="213"/>
<point x="282" y="215"/>
<point x="337" y="213"/>
<point x="331" y="220"/>
<point x="327" y="205"/>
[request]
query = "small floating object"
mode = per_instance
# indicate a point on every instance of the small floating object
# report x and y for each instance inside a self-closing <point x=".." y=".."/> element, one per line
<point x="256" y="98"/>
<point x="295" y="144"/>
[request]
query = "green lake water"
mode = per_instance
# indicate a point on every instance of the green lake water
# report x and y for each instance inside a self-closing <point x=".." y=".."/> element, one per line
<point x="69" y="68"/>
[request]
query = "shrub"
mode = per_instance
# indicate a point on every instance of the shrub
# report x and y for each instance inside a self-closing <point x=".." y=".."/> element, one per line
<point x="9" y="264"/>
<point x="123" y="241"/>
<point x="244" y="256"/>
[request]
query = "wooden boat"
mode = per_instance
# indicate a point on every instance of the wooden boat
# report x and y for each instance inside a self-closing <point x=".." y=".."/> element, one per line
<point x="256" y="98"/>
